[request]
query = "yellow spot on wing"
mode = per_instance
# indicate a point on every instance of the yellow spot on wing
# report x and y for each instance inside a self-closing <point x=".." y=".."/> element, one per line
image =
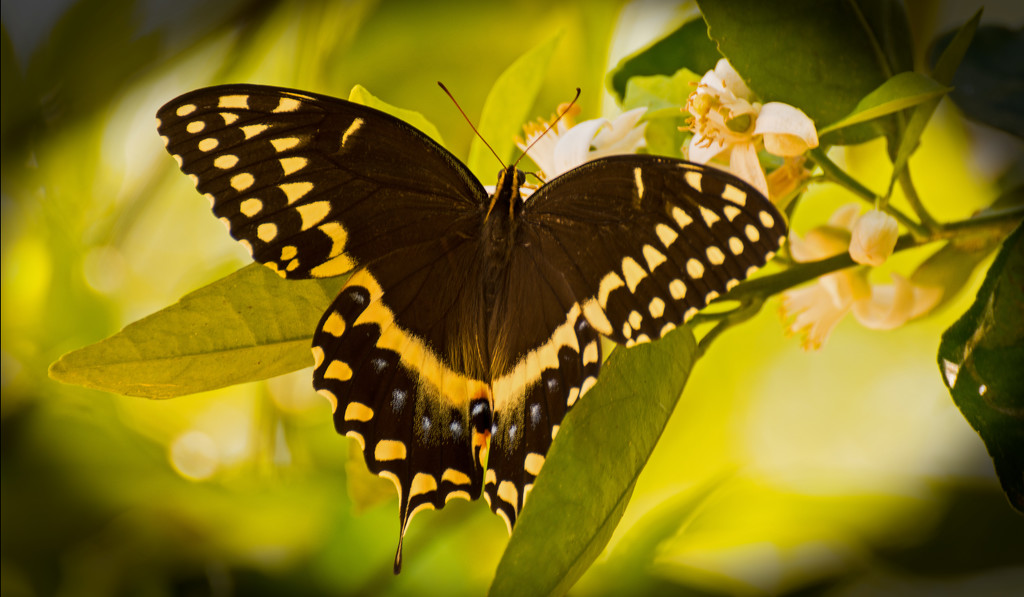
<point x="356" y="411"/>
<point x="237" y="102"/>
<point x="677" y="288"/>
<point x="715" y="255"/>
<point x="639" y="182"/>
<point x="242" y="181"/>
<point x="251" y="130"/>
<point x="666" y="234"/>
<point x="597" y="318"/>
<point x="314" y="213"/>
<point x="295" y="190"/>
<point x="229" y="117"/>
<point x="266" y="232"/>
<point x="533" y="463"/>
<point x="338" y="370"/>
<point x="389" y="449"/>
<point x="735" y="195"/>
<point x="333" y="267"/>
<point x="590" y="353"/>
<point x="693" y="179"/>
<point x="250" y="207"/>
<point x="293" y="164"/>
<point x="709" y="216"/>
<point x="422" y="483"/>
<point x="185" y="109"/>
<point x="731" y="211"/>
<point x="656" y="308"/>
<point x="509" y="494"/>
<point x="352" y="128"/>
<point x="208" y="144"/>
<point x="653" y="257"/>
<point x="752" y="233"/>
<point x="766" y="219"/>
<point x="225" y="161"/>
<point x="694" y="268"/>
<point x="633" y="273"/>
<point x="195" y="126"/>
<point x="609" y="282"/>
<point x="285" y="143"/>
<point x="682" y="218"/>
<point x="455" y="477"/>
<point x="287" y="104"/>
<point x="288" y="252"/>
<point x="335" y="324"/>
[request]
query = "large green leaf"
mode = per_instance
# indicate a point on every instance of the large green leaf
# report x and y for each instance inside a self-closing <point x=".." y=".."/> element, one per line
<point x="590" y="471"/>
<point x="981" y="358"/>
<point x="508" y="106"/>
<point x="361" y="95"/>
<point x="687" y="47"/>
<point x="943" y="72"/>
<point x="903" y="91"/>
<point x="821" y="56"/>
<point x="665" y="98"/>
<point x="248" y="326"/>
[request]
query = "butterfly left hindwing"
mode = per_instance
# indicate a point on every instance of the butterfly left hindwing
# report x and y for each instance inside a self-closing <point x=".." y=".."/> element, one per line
<point x="470" y="324"/>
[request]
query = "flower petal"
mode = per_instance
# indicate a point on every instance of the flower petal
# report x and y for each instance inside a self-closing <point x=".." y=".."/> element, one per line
<point x="787" y="130"/>
<point x="810" y="311"/>
<point x="730" y="79"/>
<point x="743" y="163"/>
<point x="889" y="305"/>
<point x="573" y="146"/>
<point x="873" y="238"/>
<point x="702" y="150"/>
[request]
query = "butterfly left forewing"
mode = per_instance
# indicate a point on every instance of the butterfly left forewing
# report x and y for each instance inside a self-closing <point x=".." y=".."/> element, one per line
<point x="310" y="184"/>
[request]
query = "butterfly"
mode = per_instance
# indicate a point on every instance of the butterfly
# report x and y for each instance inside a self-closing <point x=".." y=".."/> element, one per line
<point x="471" y="321"/>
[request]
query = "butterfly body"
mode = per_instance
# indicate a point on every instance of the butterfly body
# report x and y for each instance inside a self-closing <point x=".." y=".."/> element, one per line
<point x="471" y="322"/>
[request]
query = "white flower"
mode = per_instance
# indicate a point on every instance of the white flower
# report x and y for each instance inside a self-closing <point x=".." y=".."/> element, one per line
<point x="874" y="238"/>
<point x="567" y="146"/>
<point x="814" y="310"/>
<point x="726" y="120"/>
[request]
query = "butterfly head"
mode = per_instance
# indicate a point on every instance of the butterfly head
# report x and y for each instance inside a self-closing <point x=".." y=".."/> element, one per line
<point x="507" y="197"/>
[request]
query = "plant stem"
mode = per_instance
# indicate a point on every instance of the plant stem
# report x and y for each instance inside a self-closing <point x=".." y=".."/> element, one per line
<point x="839" y="176"/>
<point x="910" y="192"/>
<point x="996" y="222"/>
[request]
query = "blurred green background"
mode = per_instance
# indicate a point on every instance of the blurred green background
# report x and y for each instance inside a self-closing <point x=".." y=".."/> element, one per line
<point x="846" y="471"/>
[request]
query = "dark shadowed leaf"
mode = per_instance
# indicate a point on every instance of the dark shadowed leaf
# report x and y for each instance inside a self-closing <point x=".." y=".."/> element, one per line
<point x="248" y="326"/>
<point x="590" y="471"/>
<point x="981" y="358"/>
<point x="687" y="47"/>
<point x="989" y="84"/>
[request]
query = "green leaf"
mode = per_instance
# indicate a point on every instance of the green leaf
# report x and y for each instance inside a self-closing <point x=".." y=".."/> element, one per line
<point x="361" y="95"/>
<point x="590" y="471"/>
<point x="508" y="105"/>
<point x="981" y="358"/>
<point x="821" y="56"/>
<point x="687" y="47"/>
<point x="943" y="74"/>
<point x="903" y="91"/>
<point x="664" y="97"/>
<point x="248" y="326"/>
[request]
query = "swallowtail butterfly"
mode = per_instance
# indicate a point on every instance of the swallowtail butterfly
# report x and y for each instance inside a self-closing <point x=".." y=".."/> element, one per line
<point x="470" y="324"/>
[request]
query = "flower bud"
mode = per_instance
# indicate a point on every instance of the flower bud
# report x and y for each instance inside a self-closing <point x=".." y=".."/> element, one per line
<point x="874" y="238"/>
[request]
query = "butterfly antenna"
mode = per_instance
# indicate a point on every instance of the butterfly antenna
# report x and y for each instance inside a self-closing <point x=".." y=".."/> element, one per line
<point x="481" y="137"/>
<point x="550" y="126"/>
